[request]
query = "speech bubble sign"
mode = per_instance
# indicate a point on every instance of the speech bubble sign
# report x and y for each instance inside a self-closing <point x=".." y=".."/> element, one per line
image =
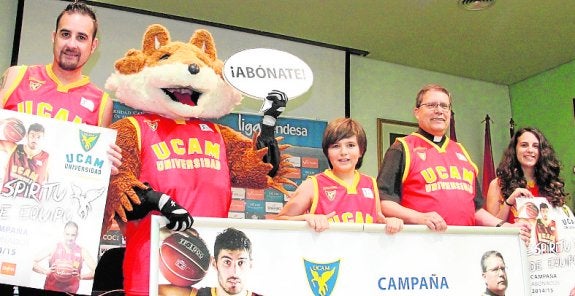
<point x="256" y="72"/>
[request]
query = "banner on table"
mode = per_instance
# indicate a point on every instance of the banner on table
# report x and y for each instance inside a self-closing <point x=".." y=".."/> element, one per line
<point x="551" y="251"/>
<point x="54" y="178"/>
<point x="350" y="259"/>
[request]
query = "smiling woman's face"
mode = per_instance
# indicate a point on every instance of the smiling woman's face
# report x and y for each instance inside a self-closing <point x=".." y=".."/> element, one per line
<point x="527" y="150"/>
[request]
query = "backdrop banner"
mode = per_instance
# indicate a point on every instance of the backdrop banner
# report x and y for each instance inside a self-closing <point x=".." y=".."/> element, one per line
<point x="55" y="178"/>
<point x="348" y="259"/>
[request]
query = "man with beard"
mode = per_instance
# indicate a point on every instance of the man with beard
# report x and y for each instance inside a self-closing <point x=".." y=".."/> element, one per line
<point x="494" y="274"/>
<point x="28" y="163"/>
<point x="59" y="90"/>
<point x="232" y="261"/>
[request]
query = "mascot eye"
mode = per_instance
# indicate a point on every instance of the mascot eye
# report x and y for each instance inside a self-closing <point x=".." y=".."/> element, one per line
<point x="194" y="68"/>
<point x="165" y="57"/>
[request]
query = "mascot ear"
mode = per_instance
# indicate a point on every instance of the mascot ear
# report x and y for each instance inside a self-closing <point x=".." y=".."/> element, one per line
<point x="133" y="62"/>
<point x="155" y="37"/>
<point x="203" y="40"/>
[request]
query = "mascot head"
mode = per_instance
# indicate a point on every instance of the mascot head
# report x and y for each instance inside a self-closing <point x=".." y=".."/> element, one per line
<point x="174" y="79"/>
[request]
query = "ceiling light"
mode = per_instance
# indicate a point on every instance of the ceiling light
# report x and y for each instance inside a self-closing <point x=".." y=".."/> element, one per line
<point x="475" y="4"/>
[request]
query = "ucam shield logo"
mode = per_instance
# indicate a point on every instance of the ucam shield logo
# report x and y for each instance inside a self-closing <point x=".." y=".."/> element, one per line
<point x="321" y="276"/>
<point x="255" y="72"/>
<point x="88" y="140"/>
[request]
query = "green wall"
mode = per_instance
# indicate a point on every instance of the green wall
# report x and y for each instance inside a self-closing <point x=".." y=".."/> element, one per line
<point x="545" y="101"/>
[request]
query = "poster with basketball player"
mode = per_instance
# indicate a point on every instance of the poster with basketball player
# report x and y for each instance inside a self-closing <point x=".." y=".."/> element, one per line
<point x="54" y="177"/>
<point x="271" y="257"/>
<point x="551" y="251"/>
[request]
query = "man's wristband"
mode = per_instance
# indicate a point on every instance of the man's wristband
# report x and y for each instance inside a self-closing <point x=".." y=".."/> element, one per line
<point x="500" y="223"/>
<point x="507" y="203"/>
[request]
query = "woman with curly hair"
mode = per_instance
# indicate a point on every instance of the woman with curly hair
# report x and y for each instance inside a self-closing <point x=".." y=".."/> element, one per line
<point x="528" y="168"/>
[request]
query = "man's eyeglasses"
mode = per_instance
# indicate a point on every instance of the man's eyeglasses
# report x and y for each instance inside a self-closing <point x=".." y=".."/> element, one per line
<point x="433" y="106"/>
<point x="497" y="269"/>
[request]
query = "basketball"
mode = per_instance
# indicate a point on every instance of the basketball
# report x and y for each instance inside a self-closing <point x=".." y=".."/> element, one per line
<point x="14" y="130"/>
<point x="531" y="210"/>
<point x="64" y="272"/>
<point x="184" y="258"/>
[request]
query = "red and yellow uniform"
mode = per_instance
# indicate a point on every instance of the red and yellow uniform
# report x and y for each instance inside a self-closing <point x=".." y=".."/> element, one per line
<point x="32" y="171"/>
<point x="439" y="178"/>
<point x="186" y="160"/>
<point x="38" y="91"/>
<point x="358" y="203"/>
<point x="70" y="257"/>
<point x="545" y="236"/>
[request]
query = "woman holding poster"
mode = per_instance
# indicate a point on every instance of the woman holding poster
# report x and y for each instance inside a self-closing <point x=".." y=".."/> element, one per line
<point x="528" y="168"/>
<point x="528" y="188"/>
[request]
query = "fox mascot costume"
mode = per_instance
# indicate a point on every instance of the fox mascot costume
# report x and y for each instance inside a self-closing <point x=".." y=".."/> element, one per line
<point x="175" y="162"/>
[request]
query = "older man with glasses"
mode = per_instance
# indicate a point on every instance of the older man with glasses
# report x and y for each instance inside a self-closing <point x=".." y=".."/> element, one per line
<point x="494" y="274"/>
<point x="427" y="178"/>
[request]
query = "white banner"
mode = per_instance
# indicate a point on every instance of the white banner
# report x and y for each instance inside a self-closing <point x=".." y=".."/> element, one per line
<point x="354" y="259"/>
<point x="55" y="178"/>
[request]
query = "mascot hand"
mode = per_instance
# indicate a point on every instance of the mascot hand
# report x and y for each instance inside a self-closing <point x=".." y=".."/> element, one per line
<point x="150" y="200"/>
<point x="145" y="206"/>
<point x="274" y="105"/>
<point x="276" y="102"/>
<point x="179" y="218"/>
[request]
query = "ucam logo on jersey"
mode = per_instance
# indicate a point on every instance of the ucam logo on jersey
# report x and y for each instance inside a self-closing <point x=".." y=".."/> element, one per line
<point x="255" y="72"/>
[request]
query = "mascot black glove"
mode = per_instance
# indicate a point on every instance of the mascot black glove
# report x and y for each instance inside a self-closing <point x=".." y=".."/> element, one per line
<point x="179" y="218"/>
<point x="278" y="102"/>
<point x="150" y="200"/>
<point x="267" y="138"/>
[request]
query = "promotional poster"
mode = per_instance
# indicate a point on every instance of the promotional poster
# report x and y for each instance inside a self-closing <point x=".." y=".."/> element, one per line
<point x="55" y="178"/>
<point x="288" y="258"/>
<point x="552" y="247"/>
